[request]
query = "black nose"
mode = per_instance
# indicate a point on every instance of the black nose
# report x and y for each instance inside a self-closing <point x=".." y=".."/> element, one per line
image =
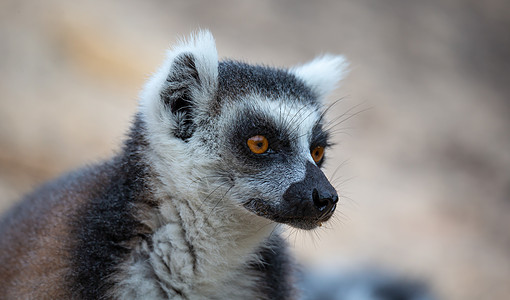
<point x="324" y="203"/>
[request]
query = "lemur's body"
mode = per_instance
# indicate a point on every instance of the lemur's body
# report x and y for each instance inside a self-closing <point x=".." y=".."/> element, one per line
<point x="187" y="209"/>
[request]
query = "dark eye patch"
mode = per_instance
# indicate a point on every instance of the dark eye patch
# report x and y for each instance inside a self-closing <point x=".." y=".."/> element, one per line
<point x="250" y="124"/>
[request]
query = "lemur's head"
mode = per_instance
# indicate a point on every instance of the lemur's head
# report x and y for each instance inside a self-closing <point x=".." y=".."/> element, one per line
<point x="242" y="136"/>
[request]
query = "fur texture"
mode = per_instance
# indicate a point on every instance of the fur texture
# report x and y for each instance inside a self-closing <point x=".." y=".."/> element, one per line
<point x="186" y="210"/>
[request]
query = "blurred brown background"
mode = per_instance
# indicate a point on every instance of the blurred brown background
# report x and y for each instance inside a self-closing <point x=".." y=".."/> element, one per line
<point x="427" y="173"/>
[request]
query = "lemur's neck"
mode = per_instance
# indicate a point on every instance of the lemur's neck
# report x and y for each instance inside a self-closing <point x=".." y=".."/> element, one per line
<point x="214" y="232"/>
<point x="202" y="249"/>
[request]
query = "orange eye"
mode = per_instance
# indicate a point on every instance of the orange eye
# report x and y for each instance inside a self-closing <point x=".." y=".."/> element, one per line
<point x="258" y="144"/>
<point x="317" y="154"/>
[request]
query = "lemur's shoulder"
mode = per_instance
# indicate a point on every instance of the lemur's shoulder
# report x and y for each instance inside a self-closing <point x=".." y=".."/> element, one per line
<point x="65" y="228"/>
<point x="37" y="234"/>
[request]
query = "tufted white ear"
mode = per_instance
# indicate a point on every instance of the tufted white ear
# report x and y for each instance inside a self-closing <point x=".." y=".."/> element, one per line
<point x="323" y="73"/>
<point x="183" y="86"/>
<point x="202" y="47"/>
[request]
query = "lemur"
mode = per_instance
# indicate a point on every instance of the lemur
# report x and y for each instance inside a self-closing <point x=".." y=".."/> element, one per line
<point x="220" y="153"/>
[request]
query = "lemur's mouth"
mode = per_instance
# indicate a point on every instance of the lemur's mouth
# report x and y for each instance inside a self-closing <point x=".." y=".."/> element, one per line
<point x="301" y="215"/>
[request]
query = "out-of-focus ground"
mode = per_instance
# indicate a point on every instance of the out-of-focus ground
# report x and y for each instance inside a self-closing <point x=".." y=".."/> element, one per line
<point x="427" y="173"/>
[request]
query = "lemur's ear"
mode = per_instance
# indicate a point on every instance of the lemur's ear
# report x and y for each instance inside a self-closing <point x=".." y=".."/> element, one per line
<point x="323" y="73"/>
<point x="184" y="86"/>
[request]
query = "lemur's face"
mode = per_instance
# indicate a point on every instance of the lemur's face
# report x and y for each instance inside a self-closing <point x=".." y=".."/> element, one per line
<point x="273" y="153"/>
<point x="258" y="130"/>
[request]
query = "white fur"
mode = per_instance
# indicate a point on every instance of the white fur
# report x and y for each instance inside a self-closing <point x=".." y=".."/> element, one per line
<point x="323" y="73"/>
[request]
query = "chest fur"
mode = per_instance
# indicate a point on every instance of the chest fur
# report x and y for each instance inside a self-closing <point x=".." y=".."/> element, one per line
<point x="196" y="255"/>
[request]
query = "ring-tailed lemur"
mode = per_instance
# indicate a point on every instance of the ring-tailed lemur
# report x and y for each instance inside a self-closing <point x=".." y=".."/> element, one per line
<point x="218" y="155"/>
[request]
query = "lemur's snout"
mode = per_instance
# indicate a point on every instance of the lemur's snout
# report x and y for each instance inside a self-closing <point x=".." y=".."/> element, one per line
<point x="306" y="203"/>
<point x="310" y="201"/>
